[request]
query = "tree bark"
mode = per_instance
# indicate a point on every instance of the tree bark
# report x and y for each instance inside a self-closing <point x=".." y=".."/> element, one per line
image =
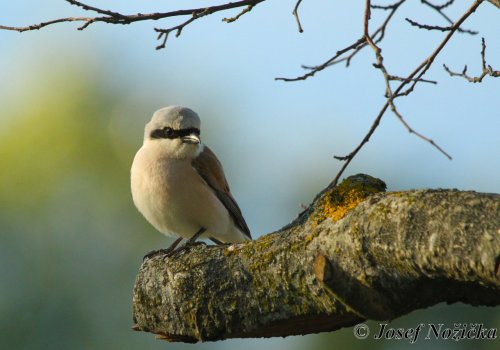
<point x="356" y="253"/>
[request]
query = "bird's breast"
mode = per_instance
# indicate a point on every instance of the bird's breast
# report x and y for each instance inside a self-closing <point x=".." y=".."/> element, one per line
<point x="174" y="198"/>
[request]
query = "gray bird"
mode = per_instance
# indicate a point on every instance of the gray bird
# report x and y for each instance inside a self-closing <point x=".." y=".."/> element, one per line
<point x="178" y="183"/>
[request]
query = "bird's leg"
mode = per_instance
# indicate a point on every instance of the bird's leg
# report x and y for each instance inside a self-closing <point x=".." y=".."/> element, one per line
<point x="166" y="251"/>
<point x="172" y="248"/>
<point x="190" y="242"/>
<point x="216" y="241"/>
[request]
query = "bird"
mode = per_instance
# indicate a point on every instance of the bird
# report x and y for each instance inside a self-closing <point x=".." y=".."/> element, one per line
<point x="179" y="186"/>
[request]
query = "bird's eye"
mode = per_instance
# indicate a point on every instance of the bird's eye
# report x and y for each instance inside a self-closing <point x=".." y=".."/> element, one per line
<point x="168" y="132"/>
<point x="164" y="133"/>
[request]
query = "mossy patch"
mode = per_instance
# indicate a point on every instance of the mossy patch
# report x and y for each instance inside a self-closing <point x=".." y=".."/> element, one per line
<point x="336" y="202"/>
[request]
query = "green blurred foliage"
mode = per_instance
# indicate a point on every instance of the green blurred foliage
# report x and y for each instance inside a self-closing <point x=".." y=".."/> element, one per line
<point x="69" y="241"/>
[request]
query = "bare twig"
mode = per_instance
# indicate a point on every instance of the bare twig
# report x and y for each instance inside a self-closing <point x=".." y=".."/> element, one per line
<point x="98" y="10"/>
<point x="237" y="17"/>
<point x="416" y="133"/>
<point x="487" y="69"/>
<point x="413" y="78"/>
<point x="387" y="77"/>
<point x="356" y="47"/>
<point x="386" y="7"/>
<point x="396" y="78"/>
<point x="427" y="27"/>
<point x="445" y="5"/>
<point x="178" y="28"/>
<point x="324" y="65"/>
<point x="45" y="24"/>
<point x="426" y="64"/>
<point x="118" y="18"/>
<point x="439" y="9"/>
<point x="296" y="14"/>
<point x="378" y="35"/>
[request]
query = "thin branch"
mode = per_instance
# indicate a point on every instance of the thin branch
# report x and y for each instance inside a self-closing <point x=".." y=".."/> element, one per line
<point x="426" y="64"/>
<point x="324" y="65"/>
<point x="164" y="33"/>
<point x="487" y="69"/>
<point x="378" y="35"/>
<point x="237" y="17"/>
<point x="98" y="10"/>
<point x="445" y="5"/>
<point x="178" y="28"/>
<point x="413" y="78"/>
<point x="355" y="47"/>
<point x="396" y="78"/>
<point x="427" y="27"/>
<point x="412" y="131"/>
<point x="439" y="9"/>
<point x="296" y="14"/>
<point x="386" y="7"/>
<point x="44" y="24"/>
<point x="118" y="18"/>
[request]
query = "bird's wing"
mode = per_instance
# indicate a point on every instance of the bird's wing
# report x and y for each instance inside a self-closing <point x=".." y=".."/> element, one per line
<point x="210" y="169"/>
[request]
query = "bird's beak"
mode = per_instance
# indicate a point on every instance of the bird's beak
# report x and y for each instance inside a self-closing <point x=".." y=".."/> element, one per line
<point x="191" y="139"/>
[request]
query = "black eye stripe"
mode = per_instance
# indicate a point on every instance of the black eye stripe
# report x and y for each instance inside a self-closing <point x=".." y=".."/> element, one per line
<point x="169" y="133"/>
<point x="186" y="132"/>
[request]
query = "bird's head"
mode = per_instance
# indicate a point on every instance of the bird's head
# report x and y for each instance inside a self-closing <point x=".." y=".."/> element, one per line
<point x="175" y="132"/>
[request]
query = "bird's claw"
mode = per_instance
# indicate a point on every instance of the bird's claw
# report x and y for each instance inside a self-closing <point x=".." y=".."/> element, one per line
<point x="186" y="246"/>
<point x="156" y="252"/>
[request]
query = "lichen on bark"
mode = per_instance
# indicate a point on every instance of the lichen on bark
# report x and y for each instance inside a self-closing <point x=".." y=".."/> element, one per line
<point x="355" y="253"/>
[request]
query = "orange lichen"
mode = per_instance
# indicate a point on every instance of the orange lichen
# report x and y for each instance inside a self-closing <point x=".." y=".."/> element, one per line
<point x="338" y="211"/>
<point x="338" y="201"/>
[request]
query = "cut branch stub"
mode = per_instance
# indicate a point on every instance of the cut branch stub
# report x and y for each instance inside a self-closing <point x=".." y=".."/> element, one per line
<point x="355" y="253"/>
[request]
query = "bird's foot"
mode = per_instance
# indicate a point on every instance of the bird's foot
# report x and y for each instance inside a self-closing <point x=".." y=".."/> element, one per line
<point x="156" y="252"/>
<point x="186" y="246"/>
<point x="173" y="247"/>
<point x="165" y="252"/>
<point x="193" y="244"/>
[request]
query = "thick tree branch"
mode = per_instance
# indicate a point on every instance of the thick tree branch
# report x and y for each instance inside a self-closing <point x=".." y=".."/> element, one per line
<point x="355" y="253"/>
